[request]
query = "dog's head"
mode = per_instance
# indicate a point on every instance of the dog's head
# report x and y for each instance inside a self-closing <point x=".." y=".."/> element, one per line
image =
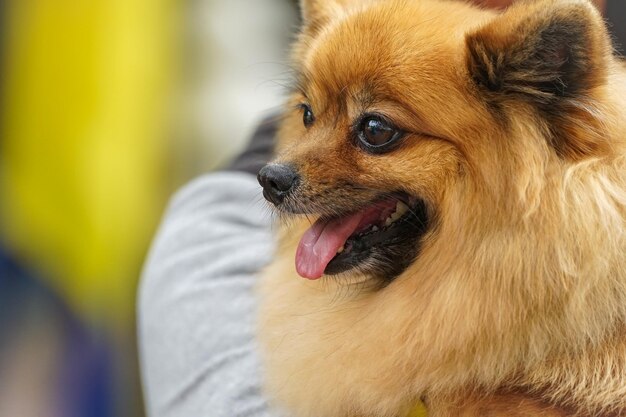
<point x="410" y="114"/>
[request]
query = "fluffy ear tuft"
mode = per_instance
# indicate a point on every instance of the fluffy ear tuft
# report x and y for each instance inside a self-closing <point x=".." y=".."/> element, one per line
<point x="542" y="49"/>
<point x="547" y="52"/>
<point x="316" y="12"/>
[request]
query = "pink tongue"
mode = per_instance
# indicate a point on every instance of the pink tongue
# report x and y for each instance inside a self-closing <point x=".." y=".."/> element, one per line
<point x="321" y="242"/>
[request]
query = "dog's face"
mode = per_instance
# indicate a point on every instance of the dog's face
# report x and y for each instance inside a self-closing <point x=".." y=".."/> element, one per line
<point x="401" y="107"/>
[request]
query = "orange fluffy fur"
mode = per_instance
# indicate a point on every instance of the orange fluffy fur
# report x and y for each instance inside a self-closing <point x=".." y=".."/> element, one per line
<point x="516" y="304"/>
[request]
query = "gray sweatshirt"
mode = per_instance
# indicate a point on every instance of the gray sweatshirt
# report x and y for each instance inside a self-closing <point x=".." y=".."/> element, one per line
<point x="197" y="306"/>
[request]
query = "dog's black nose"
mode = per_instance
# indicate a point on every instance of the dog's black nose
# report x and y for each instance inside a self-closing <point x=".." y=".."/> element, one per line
<point x="277" y="181"/>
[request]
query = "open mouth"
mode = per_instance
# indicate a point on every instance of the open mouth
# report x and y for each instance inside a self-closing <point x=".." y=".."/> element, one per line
<point x="382" y="238"/>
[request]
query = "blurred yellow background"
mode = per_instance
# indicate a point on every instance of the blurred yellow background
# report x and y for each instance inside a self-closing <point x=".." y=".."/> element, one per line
<point x="85" y="164"/>
<point x="107" y="107"/>
<point x="84" y="156"/>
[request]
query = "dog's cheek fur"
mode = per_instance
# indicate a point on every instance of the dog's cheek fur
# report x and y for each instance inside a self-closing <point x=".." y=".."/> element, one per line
<point x="553" y="55"/>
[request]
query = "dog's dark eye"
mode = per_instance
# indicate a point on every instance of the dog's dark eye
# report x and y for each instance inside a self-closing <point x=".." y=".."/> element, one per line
<point x="307" y="115"/>
<point x="376" y="134"/>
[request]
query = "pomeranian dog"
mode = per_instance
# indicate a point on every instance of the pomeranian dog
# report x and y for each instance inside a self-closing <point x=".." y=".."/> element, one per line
<point x="453" y="185"/>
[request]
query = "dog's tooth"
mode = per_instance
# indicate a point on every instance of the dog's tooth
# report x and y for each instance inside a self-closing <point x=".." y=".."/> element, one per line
<point x="374" y="228"/>
<point x="401" y="208"/>
<point x="341" y="249"/>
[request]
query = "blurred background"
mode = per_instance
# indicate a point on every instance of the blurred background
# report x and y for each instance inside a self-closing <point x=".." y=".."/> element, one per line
<point x="107" y="107"/>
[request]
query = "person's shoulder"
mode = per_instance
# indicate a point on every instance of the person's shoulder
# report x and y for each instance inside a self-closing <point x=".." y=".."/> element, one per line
<point x="221" y="186"/>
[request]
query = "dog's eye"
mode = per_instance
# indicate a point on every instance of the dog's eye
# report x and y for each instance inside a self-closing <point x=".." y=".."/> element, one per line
<point x="307" y="115"/>
<point x="376" y="133"/>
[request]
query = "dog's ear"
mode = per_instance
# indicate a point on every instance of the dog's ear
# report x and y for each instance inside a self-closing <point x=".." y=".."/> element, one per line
<point x="315" y="13"/>
<point x="551" y="53"/>
<point x="317" y="10"/>
<point x="542" y="50"/>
